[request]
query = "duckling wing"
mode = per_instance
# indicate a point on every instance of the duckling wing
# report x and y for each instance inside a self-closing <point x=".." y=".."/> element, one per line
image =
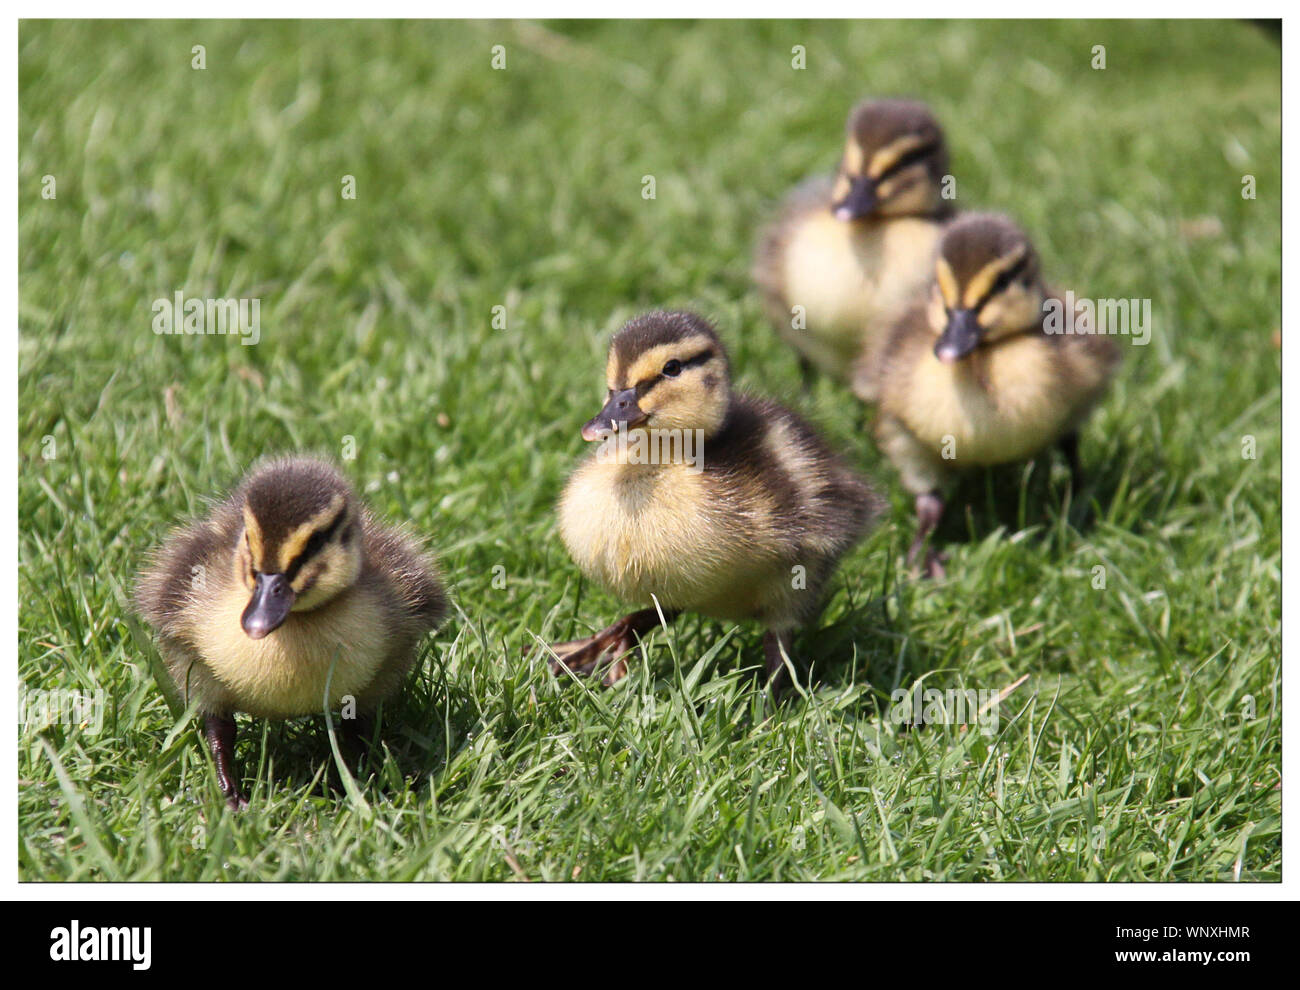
<point x="396" y="560"/>
<point x="188" y="564"/>
<point x="1088" y="362"/>
<point x="786" y="500"/>
<point x="806" y="198"/>
<point x="882" y="366"/>
<point x="819" y="507"/>
<point x="185" y="575"/>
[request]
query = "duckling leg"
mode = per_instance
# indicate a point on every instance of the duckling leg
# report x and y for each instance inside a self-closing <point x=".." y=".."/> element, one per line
<point x="929" y="510"/>
<point x="1069" y="445"/>
<point x="584" y="656"/>
<point x="220" y="733"/>
<point x="807" y="374"/>
<point x="355" y="736"/>
<point x="776" y="642"/>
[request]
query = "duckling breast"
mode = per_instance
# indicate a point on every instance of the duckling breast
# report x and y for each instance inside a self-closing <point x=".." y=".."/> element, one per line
<point x="855" y="279"/>
<point x="661" y="531"/>
<point x="339" y="647"/>
<point x="1007" y="408"/>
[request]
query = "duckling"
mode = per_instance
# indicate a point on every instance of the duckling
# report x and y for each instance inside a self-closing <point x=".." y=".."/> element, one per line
<point x="289" y="588"/>
<point x="854" y="250"/>
<point x="702" y="499"/>
<point x="971" y="375"/>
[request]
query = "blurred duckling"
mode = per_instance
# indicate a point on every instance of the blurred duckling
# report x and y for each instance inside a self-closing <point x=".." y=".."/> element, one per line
<point x="744" y="518"/>
<point x="287" y="588"/>
<point x="972" y="377"/>
<point x="854" y="250"/>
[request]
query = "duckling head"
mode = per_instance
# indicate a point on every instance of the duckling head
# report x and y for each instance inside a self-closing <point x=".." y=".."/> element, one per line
<point x="300" y="543"/>
<point x="893" y="163"/>
<point x="666" y="371"/>
<point x="987" y="286"/>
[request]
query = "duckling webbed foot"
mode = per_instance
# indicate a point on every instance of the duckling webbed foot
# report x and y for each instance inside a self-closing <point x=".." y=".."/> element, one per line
<point x="929" y="510"/>
<point x="607" y="648"/>
<point x="220" y="733"/>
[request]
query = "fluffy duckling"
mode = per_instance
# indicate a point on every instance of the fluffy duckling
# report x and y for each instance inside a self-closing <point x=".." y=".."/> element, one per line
<point x="701" y="498"/>
<point x="288" y="587"/>
<point x="971" y="377"/>
<point x="854" y="250"/>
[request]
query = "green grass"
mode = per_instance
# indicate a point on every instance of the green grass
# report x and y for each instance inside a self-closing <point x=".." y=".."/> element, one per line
<point x="1145" y="743"/>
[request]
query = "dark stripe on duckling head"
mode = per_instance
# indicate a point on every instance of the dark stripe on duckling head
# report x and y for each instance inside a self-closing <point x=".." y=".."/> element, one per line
<point x="875" y="124"/>
<point x="910" y="158"/>
<point x="314" y="543"/>
<point x="974" y="240"/>
<point x="282" y="496"/>
<point x="654" y="329"/>
<point x="1002" y="281"/>
<point x="674" y="368"/>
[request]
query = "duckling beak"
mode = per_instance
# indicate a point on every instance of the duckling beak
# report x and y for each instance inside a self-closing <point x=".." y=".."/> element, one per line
<point x="269" y="607"/>
<point x="960" y="336"/>
<point x="860" y="200"/>
<point x="620" y="413"/>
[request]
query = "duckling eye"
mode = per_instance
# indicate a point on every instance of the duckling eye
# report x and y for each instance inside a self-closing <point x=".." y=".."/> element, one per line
<point x="673" y="368"/>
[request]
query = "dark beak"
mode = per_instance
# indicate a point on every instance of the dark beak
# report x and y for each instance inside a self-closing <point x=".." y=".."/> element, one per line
<point x="269" y="606"/>
<point x="960" y="337"/>
<point x="860" y="201"/>
<point x="620" y="413"/>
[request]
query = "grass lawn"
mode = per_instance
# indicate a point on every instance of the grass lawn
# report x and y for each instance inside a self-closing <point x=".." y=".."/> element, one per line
<point x="1143" y="739"/>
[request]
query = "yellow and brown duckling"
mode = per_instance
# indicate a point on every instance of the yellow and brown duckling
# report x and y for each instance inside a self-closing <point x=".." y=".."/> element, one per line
<point x="852" y="251"/>
<point x="971" y="377"/>
<point x="289" y="587"/>
<point x="746" y="520"/>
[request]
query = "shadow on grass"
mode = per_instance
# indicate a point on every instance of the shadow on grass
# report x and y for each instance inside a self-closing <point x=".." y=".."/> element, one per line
<point x="873" y="645"/>
<point x="408" y="740"/>
<point x="1015" y="497"/>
